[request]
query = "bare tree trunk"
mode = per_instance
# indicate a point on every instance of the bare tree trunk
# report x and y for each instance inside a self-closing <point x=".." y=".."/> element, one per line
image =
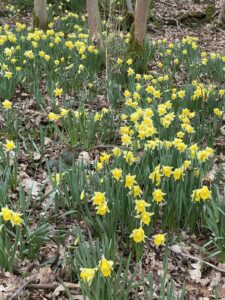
<point x="140" y="20"/>
<point x="222" y="12"/>
<point x="129" y="6"/>
<point x="94" y="22"/>
<point x="40" y="14"/>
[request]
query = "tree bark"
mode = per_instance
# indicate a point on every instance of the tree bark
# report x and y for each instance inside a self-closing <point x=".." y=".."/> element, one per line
<point x="129" y="6"/>
<point x="94" y="22"/>
<point x="221" y="17"/>
<point x="40" y="19"/>
<point x="140" y="20"/>
<point x="138" y="29"/>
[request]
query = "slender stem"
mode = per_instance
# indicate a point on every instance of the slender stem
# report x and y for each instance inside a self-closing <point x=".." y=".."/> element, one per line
<point x="12" y="256"/>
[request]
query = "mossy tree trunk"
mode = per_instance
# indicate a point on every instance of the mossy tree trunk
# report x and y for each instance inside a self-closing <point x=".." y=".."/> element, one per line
<point x="94" y="22"/>
<point x="40" y="19"/>
<point x="138" y="32"/>
<point x="222" y="12"/>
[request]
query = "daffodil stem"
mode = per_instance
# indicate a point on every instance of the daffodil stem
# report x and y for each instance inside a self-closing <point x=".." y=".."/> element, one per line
<point x="14" y="247"/>
<point x="138" y="251"/>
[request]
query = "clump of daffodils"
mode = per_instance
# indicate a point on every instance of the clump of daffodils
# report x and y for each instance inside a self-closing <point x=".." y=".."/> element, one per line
<point x="104" y="266"/>
<point x="142" y="213"/>
<point x="9" y="215"/>
<point x="57" y="178"/>
<point x="201" y="194"/>
<point x="100" y="202"/>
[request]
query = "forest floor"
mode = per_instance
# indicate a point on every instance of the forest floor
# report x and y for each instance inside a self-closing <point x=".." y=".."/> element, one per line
<point x="46" y="277"/>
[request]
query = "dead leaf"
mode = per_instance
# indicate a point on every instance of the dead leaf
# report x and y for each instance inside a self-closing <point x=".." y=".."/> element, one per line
<point x="196" y="273"/>
<point x="36" y="156"/>
<point x="84" y="157"/>
<point x="45" y="275"/>
<point x="180" y="248"/>
<point x="47" y="141"/>
<point x="2" y="297"/>
<point x="210" y="176"/>
<point x="223" y="118"/>
<point x="222" y="130"/>
<point x="31" y="186"/>
<point x="215" y="280"/>
<point x="58" y="290"/>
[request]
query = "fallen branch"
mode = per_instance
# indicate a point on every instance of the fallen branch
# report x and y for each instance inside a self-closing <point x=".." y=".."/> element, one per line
<point x="184" y="17"/>
<point x="172" y="21"/>
<point x="53" y="285"/>
<point x="221" y="30"/>
<point x="194" y="258"/>
<point x="23" y="286"/>
<point x="29" y="284"/>
<point x="190" y="15"/>
<point x="198" y="259"/>
<point x="167" y="3"/>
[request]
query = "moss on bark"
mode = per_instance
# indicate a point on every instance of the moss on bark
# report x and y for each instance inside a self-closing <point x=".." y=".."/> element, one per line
<point x="210" y="11"/>
<point x="135" y="49"/>
<point x="38" y="24"/>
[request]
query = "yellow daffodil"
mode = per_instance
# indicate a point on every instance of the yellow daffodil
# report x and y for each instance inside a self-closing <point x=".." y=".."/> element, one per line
<point x="159" y="239"/>
<point x="178" y="173"/>
<point x="145" y="217"/>
<point x="98" y="198"/>
<point x="130" y="181"/>
<point x="7" y="104"/>
<point x="6" y="214"/>
<point x="16" y="219"/>
<point x="205" y="193"/>
<point x="141" y="206"/>
<point x="88" y="274"/>
<point x="58" y="92"/>
<point x="105" y="266"/>
<point x="102" y="209"/>
<point x="82" y="195"/>
<point x="158" y="195"/>
<point x="167" y="171"/>
<point x="117" y="174"/>
<point x="138" y="235"/>
<point x="53" y="117"/>
<point x="9" y="145"/>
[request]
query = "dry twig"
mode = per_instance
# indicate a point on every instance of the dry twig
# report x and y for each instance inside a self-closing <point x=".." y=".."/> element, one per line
<point x="198" y="259"/>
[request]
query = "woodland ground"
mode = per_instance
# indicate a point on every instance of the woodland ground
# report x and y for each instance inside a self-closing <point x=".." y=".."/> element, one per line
<point x="50" y="268"/>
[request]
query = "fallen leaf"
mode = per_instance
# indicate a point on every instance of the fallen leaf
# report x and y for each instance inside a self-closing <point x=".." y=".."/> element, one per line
<point x="47" y="141"/>
<point x="181" y="248"/>
<point x="31" y="186"/>
<point x="58" y="290"/>
<point x="45" y="275"/>
<point x="84" y="157"/>
<point x="196" y="273"/>
<point x="215" y="280"/>
<point x="2" y="297"/>
<point x="222" y="130"/>
<point x="36" y="156"/>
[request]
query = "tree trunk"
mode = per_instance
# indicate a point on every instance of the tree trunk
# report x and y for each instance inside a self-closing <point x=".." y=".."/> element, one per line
<point x="138" y="31"/>
<point x="40" y="14"/>
<point x="222" y="12"/>
<point x="129" y="6"/>
<point x="140" y="20"/>
<point x="94" y="22"/>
